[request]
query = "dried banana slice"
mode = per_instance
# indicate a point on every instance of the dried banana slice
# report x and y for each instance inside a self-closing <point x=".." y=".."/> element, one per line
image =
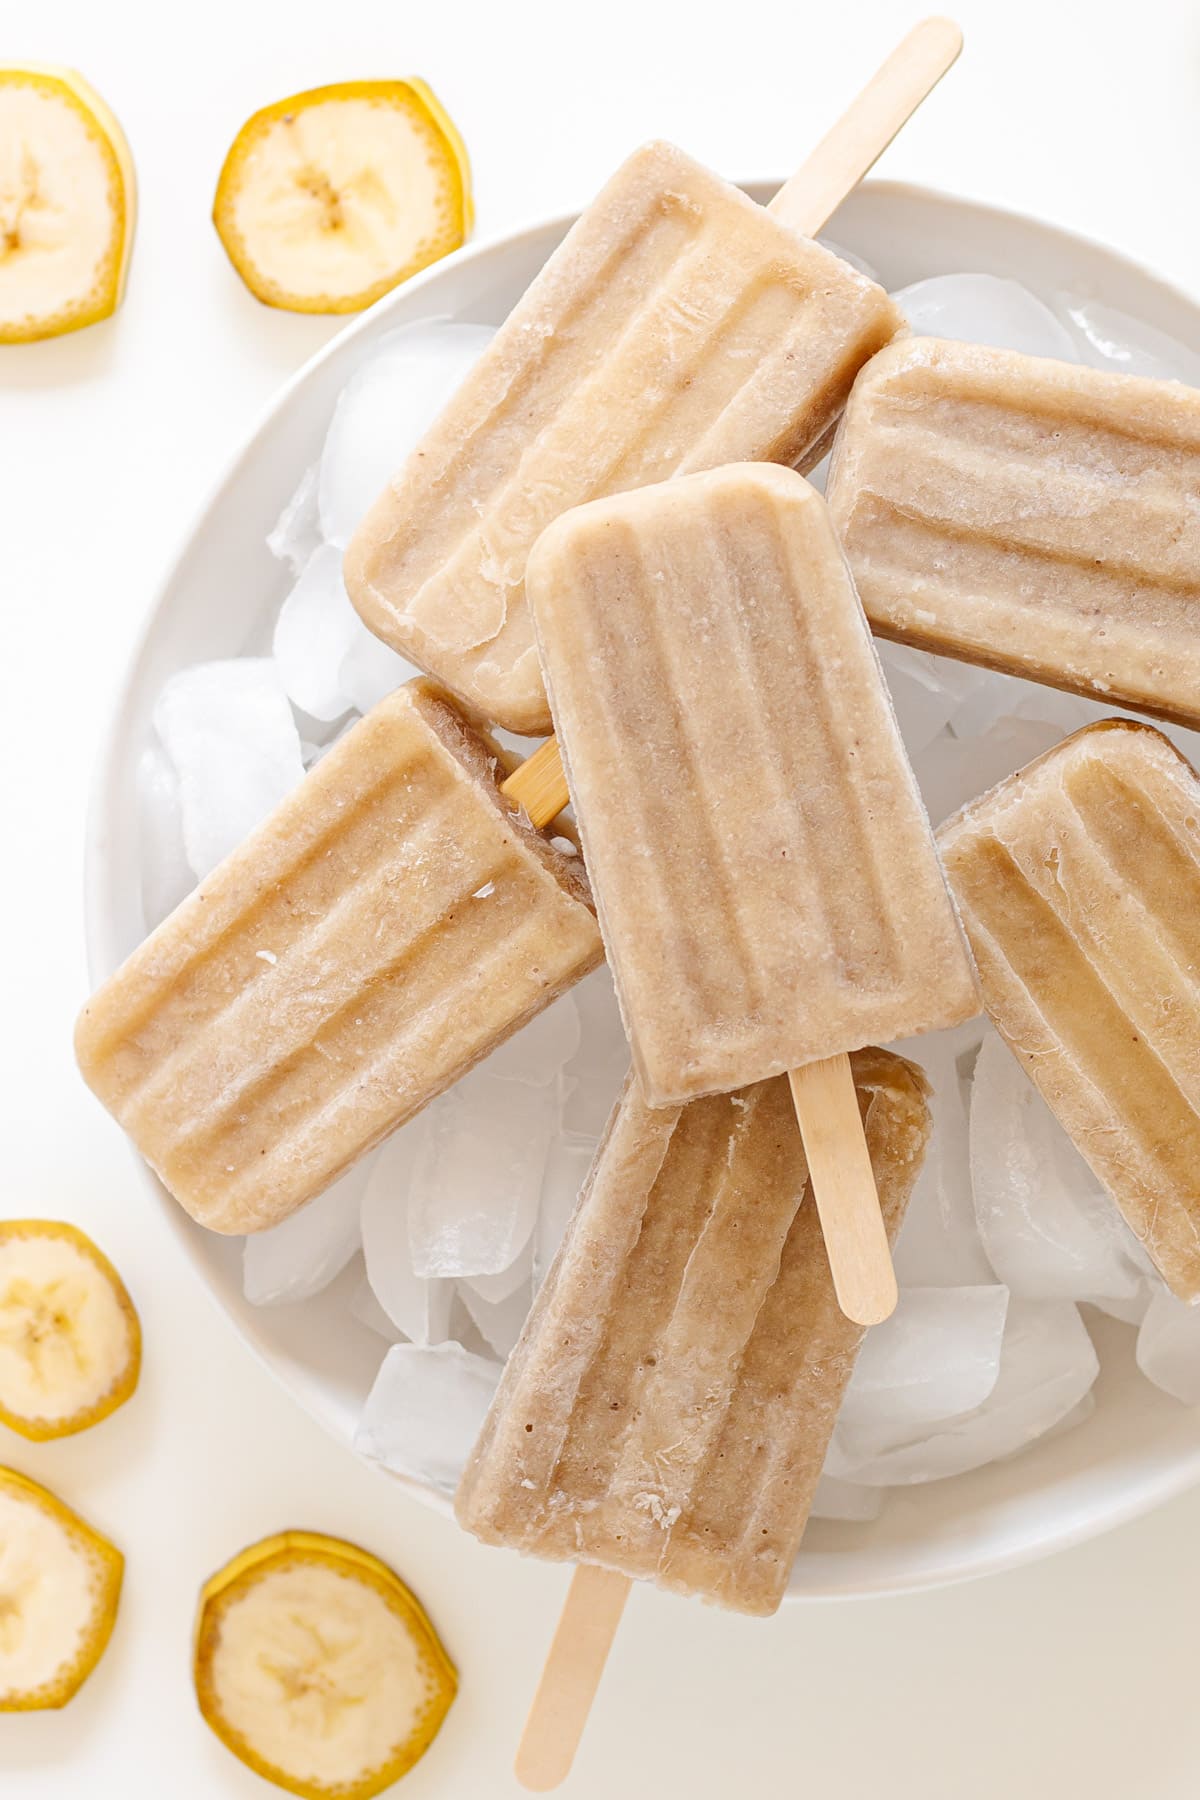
<point x="70" y="1342"/>
<point x="60" y="1582"/>
<point x="331" y="197"/>
<point x="67" y="203"/>
<point x="317" y="1667"/>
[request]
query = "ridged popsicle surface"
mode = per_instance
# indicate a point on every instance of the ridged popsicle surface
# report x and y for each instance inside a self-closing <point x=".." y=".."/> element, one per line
<point x="392" y="922"/>
<point x="1029" y="515"/>
<point x="668" y="1408"/>
<point x="678" y="326"/>
<point x="764" y="870"/>
<point x="1079" y="885"/>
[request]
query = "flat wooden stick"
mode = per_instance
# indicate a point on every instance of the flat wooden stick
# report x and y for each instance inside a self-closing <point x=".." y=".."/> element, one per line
<point x="539" y="786"/>
<point x="865" y="130"/>
<point x="824" y="1094"/>
<point x="843" y="1184"/>
<point x="586" y="1628"/>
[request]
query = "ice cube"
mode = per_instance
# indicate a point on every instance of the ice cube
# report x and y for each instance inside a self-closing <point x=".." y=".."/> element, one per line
<point x="299" y="1257"/>
<point x="852" y="257"/>
<point x="939" y="1243"/>
<point x="1111" y="339"/>
<point x="597" y="1070"/>
<point x="314" y="632"/>
<point x="425" y="1411"/>
<point x="953" y="770"/>
<point x="844" y="1500"/>
<point x="1129" y="1312"/>
<point x="937" y="1357"/>
<point x="1047" y="1365"/>
<point x="418" y="1307"/>
<point x="384" y="408"/>
<point x="1168" y="1347"/>
<point x="986" y="309"/>
<point x="924" y="695"/>
<point x="370" y="671"/>
<point x="366" y="1309"/>
<point x="567" y="1166"/>
<point x="499" y="1321"/>
<point x="297" y="531"/>
<point x="497" y="1287"/>
<point x="228" y="731"/>
<point x="539" y="1051"/>
<point x="1050" y="1229"/>
<point x="477" y="1175"/>
<point x="166" y="877"/>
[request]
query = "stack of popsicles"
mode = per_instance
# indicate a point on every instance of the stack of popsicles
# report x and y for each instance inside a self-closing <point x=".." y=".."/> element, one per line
<point x="601" y="533"/>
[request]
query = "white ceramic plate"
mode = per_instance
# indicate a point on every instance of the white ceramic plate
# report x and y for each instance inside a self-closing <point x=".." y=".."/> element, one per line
<point x="1139" y="1447"/>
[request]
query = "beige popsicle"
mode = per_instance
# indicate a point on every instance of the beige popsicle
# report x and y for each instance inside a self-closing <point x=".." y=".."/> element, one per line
<point x="1078" y="880"/>
<point x="668" y="1409"/>
<point x="764" y="873"/>
<point x="679" y="326"/>
<point x="1029" y="515"/>
<point x="391" y="923"/>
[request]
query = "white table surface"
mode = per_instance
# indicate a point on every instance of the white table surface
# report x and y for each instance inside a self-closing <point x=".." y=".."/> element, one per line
<point x="1074" y="1677"/>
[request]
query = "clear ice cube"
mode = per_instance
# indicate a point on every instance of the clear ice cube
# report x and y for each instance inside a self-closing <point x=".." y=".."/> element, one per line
<point x="498" y="1321"/>
<point x="297" y="531"/>
<point x="425" y="1411"/>
<point x="297" y="1258"/>
<point x="384" y="409"/>
<point x="418" y="1307"/>
<point x="986" y="309"/>
<point x="166" y="876"/>
<point x="1050" y="1229"/>
<point x="1047" y="1365"/>
<point x="369" y="670"/>
<point x="936" y="1358"/>
<point x="228" y="731"/>
<point x="477" y="1175"/>
<point x="1111" y="339"/>
<point x="313" y="634"/>
<point x="939" y="1243"/>
<point x="1168" y="1347"/>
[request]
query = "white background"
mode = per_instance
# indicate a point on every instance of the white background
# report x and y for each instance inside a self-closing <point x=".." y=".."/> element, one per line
<point x="1076" y="1677"/>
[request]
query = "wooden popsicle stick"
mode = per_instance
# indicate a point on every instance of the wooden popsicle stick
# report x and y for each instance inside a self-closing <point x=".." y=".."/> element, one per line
<point x="823" y="1093"/>
<point x="539" y="786"/>
<point x="863" y="133"/>
<point x="843" y="1185"/>
<point x="586" y="1628"/>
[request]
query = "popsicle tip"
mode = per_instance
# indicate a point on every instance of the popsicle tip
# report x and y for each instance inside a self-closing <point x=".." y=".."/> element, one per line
<point x="945" y="31"/>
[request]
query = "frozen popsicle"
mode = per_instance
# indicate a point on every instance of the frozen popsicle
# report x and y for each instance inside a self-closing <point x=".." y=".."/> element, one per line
<point x="1029" y="515"/>
<point x="677" y="327"/>
<point x="1078" y="880"/>
<point x="390" y="924"/>
<point x="668" y="1408"/>
<point x="764" y="871"/>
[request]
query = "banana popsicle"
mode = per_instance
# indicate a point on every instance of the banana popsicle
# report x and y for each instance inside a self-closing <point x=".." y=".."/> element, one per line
<point x="678" y="326"/>
<point x="765" y="874"/>
<point x="1078" y="880"/>
<point x="391" y="923"/>
<point x="669" y="1406"/>
<point x="1029" y="515"/>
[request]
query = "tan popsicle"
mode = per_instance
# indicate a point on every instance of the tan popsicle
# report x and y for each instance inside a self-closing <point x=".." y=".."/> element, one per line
<point x="1033" y="516"/>
<point x="1078" y="880"/>
<point x="391" y="923"/>
<point x="679" y="326"/>
<point x="667" y="1412"/>
<point x="764" y="872"/>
